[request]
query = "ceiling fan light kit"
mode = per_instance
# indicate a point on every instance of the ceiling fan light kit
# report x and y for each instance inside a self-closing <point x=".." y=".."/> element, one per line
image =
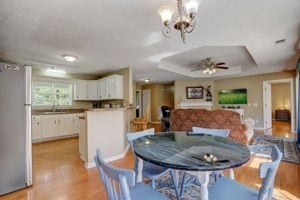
<point x="210" y="66"/>
<point x="183" y="21"/>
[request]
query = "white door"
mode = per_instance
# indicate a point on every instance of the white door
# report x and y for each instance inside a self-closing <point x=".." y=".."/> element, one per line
<point x="267" y="105"/>
<point x="146" y="101"/>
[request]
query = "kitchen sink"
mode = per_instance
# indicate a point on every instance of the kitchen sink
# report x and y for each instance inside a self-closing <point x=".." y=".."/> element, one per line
<point x="53" y="113"/>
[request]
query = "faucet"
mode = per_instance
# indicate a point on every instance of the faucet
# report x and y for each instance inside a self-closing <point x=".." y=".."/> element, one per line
<point x="54" y="107"/>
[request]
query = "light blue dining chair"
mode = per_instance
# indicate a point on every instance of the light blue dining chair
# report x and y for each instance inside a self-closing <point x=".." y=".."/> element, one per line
<point x="228" y="189"/>
<point x="151" y="171"/>
<point x="215" y="132"/>
<point x="120" y="183"/>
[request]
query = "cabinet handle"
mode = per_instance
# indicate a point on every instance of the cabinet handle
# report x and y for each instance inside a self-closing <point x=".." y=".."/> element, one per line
<point x="55" y="122"/>
<point x="38" y="123"/>
<point x="59" y="121"/>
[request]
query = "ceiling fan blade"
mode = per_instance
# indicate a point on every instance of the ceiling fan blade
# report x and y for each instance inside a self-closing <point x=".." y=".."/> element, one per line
<point x="221" y="67"/>
<point x="221" y="63"/>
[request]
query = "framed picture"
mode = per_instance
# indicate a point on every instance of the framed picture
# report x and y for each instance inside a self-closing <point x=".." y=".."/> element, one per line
<point x="194" y="92"/>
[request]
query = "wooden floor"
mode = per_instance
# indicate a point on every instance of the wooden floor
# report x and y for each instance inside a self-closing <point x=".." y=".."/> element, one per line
<point x="58" y="174"/>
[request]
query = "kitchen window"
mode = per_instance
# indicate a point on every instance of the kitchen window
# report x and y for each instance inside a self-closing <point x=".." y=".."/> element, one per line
<point x="45" y="93"/>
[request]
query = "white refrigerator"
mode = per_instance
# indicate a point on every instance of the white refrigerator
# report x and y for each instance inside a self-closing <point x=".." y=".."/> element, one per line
<point x="15" y="128"/>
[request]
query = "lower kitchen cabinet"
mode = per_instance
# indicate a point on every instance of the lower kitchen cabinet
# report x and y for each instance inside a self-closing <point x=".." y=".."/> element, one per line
<point x="54" y="126"/>
<point x="36" y="128"/>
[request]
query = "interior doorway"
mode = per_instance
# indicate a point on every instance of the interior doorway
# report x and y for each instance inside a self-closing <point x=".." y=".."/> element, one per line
<point x="138" y="100"/>
<point x="146" y="101"/>
<point x="278" y="101"/>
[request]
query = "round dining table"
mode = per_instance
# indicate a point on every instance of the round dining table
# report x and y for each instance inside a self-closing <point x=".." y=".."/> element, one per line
<point x="200" y="154"/>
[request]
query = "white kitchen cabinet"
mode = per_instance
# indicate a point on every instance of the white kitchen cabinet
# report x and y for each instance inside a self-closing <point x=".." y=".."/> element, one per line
<point x="85" y="90"/>
<point x="80" y="90"/>
<point x="49" y="126"/>
<point x="36" y="129"/>
<point x="101" y="89"/>
<point x="92" y="90"/>
<point x="53" y="126"/>
<point x="76" y="122"/>
<point x="65" y="124"/>
<point x="114" y="87"/>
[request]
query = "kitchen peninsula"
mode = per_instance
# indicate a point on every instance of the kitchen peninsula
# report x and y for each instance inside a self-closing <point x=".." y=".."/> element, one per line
<point x="105" y="129"/>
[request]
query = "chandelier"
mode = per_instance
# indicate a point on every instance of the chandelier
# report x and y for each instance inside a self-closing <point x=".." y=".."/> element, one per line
<point x="184" y="21"/>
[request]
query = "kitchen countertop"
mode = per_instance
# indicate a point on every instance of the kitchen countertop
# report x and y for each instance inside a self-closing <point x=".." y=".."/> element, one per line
<point x="59" y="111"/>
<point x="109" y="109"/>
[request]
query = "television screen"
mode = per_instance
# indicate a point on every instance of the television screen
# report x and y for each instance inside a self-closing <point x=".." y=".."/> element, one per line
<point x="234" y="96"/>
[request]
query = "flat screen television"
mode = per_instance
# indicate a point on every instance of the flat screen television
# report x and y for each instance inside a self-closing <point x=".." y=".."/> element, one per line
<point x="234" y="96"/>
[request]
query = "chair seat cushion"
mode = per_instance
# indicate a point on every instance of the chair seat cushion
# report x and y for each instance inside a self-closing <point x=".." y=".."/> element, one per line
<point x="142" y="191"/>
<point x="228" y="189"/>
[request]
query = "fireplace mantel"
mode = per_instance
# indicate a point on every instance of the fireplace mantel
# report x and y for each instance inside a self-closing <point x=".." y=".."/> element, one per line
<point x="195" y="105"/>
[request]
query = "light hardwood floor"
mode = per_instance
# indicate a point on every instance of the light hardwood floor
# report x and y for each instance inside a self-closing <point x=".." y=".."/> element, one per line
<point x="58" y="174"/>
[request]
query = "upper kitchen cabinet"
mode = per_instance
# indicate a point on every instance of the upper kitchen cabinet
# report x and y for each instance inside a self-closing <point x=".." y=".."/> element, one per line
<point x="101" y="89"/>
<point x="85" y="90"/>
<point x="92" y="90"/>
<point x="114" y="87"/>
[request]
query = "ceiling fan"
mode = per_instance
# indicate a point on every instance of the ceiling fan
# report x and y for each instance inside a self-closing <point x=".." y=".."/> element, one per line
<point x="209" y="66"/>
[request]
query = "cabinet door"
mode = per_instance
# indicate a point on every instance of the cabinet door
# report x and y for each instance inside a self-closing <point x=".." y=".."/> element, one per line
<point x="109" y="82"/>
<point x="65" y="124"/>
<point x="49" y="127"/>
<point x="101" y="89"/>
<point x="114" y="87"/>
<point x="80" y="90"/>
<point x="36" y="130"/>
<point x="76" y="122"/>
<point x="92" y="90"/>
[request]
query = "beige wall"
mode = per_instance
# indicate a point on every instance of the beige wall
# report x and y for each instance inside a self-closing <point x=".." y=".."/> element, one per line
<point x="180" y="89"/>
<point x="161" y="94"/>
<point x="254" y="85"/>
<point x="281" y="95"/>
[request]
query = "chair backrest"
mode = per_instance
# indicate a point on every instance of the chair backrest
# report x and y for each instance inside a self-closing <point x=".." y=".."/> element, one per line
<point x="136" y="135"/>
<point x="116" y="180"/>
<point x="215" y="132"/>
<point x="267" y="171"/>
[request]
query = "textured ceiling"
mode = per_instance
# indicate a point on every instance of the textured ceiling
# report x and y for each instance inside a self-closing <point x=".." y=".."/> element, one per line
<point x="108" y="35"/>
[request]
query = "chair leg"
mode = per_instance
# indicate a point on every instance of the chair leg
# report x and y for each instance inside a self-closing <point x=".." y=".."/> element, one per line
<point x="185" y="183"/>
<point x="182" y="184"/>
<point x="153" y="183"/>
<point x="174" y="183"/>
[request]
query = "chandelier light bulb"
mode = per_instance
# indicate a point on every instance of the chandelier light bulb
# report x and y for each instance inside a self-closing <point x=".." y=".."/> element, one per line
<point x="166" y="13"/>
<point x="192" y="6"/>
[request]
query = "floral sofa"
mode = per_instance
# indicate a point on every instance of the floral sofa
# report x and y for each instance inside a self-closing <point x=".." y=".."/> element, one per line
<point x="185" y="119"/>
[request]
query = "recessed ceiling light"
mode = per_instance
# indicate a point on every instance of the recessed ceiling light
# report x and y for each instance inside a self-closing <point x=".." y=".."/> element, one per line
<point x="147" y="80"/>
<point x="56" y="70"/>
<point x="70" y="58"/>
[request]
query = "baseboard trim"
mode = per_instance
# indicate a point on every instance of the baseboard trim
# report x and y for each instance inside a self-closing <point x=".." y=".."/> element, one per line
<point x="110" y="159"/>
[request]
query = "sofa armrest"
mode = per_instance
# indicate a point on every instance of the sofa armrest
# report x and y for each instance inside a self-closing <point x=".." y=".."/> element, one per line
<point x="249" y="122"/>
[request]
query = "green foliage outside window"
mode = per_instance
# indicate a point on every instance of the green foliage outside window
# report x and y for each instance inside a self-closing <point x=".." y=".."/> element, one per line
<point x="46" y="92"/>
